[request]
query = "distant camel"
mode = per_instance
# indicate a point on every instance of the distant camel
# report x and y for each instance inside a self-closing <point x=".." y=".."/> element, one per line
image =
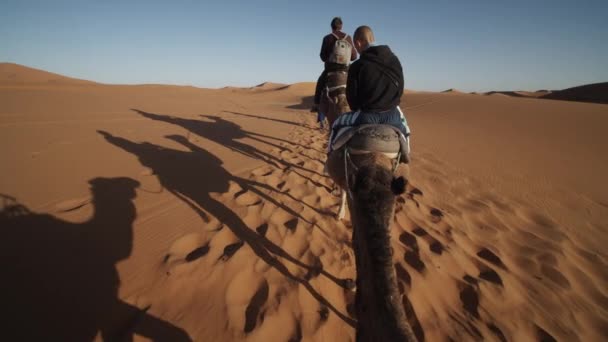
<point x="370" y="180"/>
<point x="333" y="99"/>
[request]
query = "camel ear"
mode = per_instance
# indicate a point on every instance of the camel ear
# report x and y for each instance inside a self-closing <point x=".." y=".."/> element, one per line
<point x="398" y="185"/>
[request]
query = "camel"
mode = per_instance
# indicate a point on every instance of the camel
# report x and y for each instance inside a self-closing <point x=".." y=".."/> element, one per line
<point x="372" y="183"/>
<point x="333" y="99"/>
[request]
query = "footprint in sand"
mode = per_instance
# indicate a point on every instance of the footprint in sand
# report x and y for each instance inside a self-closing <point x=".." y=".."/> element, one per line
<point x="262" y="229"/>
<point x="436" y="215"/>
<point x="411" y="195"/>
<point x="409" y="240"/>
<point x="415" y="191"/>
<point x="435" y="245"/>
<point x="403" y="275"/>
<point x="246" y="198"/>
<point x="281" y="185"/>
<point x="487" y="255"/>
<point x="412" y="258"/>
<point x="245" y="297"/>
<point x="555" y="276"/>
<point x="399" y="204"/>
<point x="323" y="313"/>
<point x="73" y="204"/>
<point x="253" y="313"/>
<point x="186" y="249"/>
<point x="543" y="336"/>
<point x="490" y="275"/>
<point x="469" y="299"/>
<point x="197" y="253"/>
<point x="315" y="269"/>
<point x="291" y="224"/>
<point x="496" y="331"/>
<point x="469" y="279"/>
<point x="412" y="319"/>
<point x="230" y="250"/>
<point x="314" y="313"/>
<point x="485" y="273"/>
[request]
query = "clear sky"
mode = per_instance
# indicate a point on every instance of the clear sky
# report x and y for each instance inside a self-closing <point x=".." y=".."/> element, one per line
<point x="468" y="45"/>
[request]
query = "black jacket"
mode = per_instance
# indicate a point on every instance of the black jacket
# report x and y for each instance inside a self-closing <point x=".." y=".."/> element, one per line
<point x="375" y="80"/>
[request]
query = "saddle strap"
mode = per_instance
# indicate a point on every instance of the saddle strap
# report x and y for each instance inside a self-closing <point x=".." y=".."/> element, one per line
<point x="391" y="155"/>
<point x="336" y="87"/>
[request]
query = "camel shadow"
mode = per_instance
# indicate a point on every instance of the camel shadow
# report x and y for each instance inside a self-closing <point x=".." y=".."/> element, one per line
<point x="60" y="277"/>
<point x="264" y="118"/>
<point x="192" y="175"/>
<point x="228" y="134"/>
<point x="258" y="117"/>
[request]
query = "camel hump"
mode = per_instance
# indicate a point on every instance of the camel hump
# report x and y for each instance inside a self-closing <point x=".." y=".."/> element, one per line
<point x="385" y="139"/>
<point x="376" y="138"/>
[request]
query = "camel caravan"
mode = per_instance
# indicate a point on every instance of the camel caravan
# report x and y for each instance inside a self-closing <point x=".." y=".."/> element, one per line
<point x="368" y="156"/>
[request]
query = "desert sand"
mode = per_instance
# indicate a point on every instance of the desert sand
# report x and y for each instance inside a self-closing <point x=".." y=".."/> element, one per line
<point x="176" y="213"/>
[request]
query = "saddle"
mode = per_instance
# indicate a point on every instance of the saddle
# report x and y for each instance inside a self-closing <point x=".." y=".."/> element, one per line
<point x="369" y="138"/>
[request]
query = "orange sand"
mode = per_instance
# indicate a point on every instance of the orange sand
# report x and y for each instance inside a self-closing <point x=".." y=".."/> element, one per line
<point x="176" y="212"/>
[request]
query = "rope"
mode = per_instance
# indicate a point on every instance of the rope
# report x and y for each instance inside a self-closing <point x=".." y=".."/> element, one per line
<point x="346" y="158"/>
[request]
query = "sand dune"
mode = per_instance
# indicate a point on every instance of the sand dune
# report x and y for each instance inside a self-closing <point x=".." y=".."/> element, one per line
<point x="596" y="93"/>
<point x="178" y="213"/>
<point x="15" y="74"/>
<point x="306" y="87"/>
<point x="519" y="93"/>
<point x="269" y="86"/>
<point x="452" y="91"/>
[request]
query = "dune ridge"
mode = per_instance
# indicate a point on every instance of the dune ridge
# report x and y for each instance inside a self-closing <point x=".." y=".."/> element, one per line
<point x="595" y="93"/>
<point x="11" y="73"/>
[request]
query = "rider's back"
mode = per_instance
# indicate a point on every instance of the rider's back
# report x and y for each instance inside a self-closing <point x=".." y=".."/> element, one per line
<point x="375" y="81"/>
<point x="329" y="44"/>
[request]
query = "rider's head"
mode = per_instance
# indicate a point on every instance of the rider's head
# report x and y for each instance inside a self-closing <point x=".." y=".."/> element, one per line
<point x="363" y="37"/>
<point x="336" y="24"/>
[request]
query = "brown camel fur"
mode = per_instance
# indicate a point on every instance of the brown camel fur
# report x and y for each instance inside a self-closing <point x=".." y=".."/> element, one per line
<point x="373" y="187"/>
<point x="334" y="103"/>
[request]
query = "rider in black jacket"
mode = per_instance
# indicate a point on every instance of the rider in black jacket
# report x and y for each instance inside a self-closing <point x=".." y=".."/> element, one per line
<point x="374" y="87"/>
<point x="375" y="80"/>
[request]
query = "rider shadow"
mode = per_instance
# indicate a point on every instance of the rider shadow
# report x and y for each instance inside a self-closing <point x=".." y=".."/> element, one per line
<point x="265" y="118"/>
<point x="227" y="133"/>
<point x="281" y="121"/>
<point x="60" y="277"/>
<point x="194" y="174"/>
<point x="308" y="147"/>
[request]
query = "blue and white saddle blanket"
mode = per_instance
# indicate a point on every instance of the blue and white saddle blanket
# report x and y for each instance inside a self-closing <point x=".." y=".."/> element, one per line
<point x="347" y="121"/>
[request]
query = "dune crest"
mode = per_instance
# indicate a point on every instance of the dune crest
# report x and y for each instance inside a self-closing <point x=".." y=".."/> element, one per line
<point x="452" y="91"/>
<point x="595" y="93"/>
<point x="16" y="74"/>
<point x="268" y="86"/>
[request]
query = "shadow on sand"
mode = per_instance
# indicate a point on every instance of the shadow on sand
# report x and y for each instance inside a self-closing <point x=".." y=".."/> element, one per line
<point x="306" y="103"/>
<point x="192" y="175"/>
<point x="59" y="278"/>
<point x="228" y="134"/>
<point x="264" y="118"/>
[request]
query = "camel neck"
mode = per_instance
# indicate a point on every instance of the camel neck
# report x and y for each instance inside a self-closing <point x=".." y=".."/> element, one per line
<point x="380" y="312"/>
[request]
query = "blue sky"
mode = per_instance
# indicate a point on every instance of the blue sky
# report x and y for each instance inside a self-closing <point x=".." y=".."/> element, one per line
<point x="469" y="45"/>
